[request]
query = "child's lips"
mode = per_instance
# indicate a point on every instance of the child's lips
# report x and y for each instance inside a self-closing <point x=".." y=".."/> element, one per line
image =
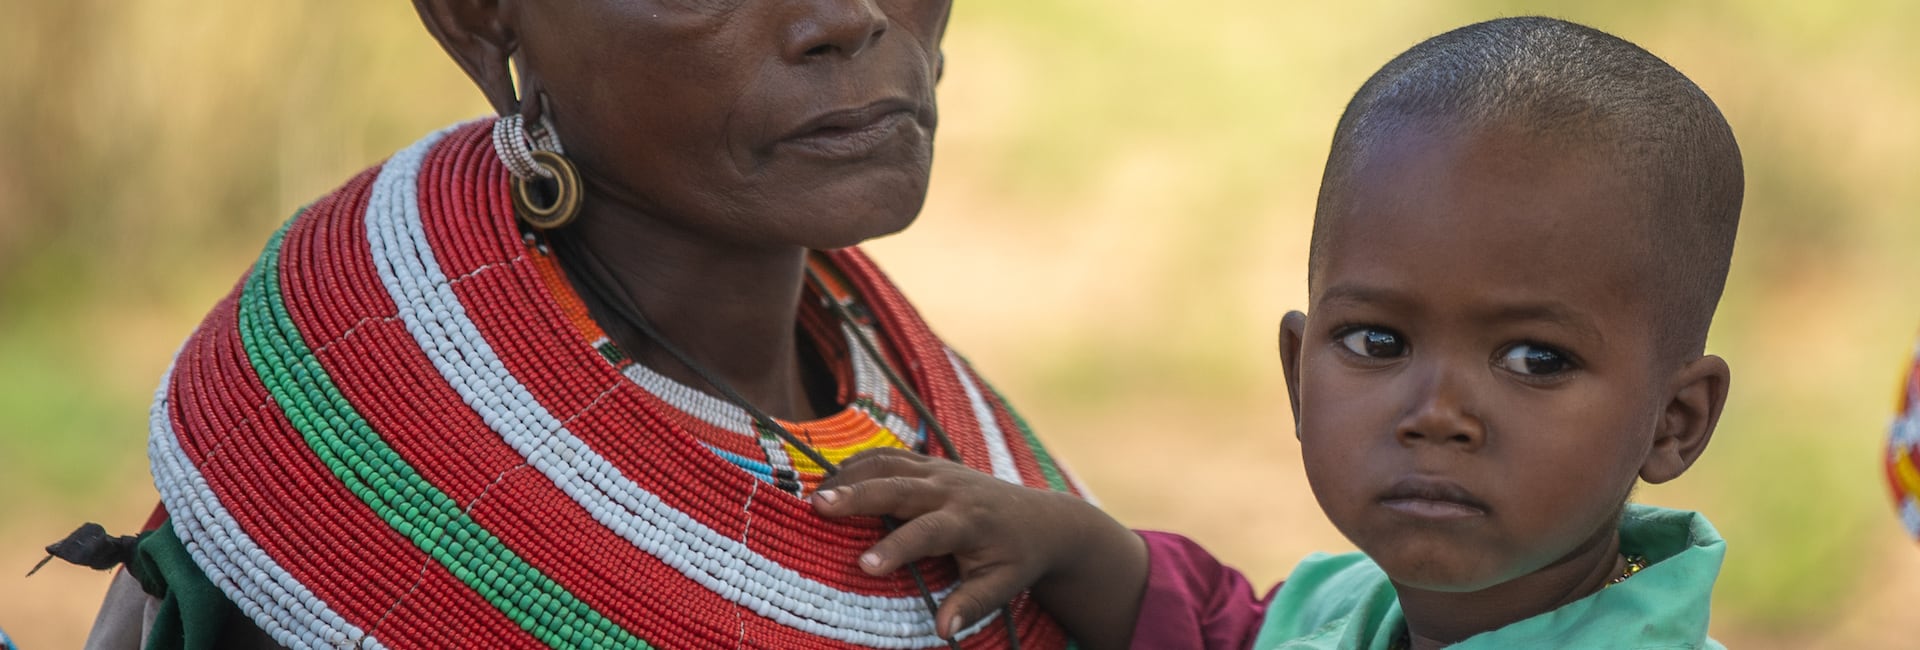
<point x="1427" y="509"/>
<point x="1431" y="498"/>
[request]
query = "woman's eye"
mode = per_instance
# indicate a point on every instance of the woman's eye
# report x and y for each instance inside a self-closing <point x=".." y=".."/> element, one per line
<point x="1537" y="360"/>
<point x="1375" y="343"/>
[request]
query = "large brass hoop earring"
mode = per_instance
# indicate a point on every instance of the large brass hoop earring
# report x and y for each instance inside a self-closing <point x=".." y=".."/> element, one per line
<point x="546" y="208"/>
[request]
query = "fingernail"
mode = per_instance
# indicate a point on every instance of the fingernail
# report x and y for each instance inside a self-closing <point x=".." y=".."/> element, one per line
<point x="871" y="559"/>
<point x="955" y="624"/>
<point x="829" y="496"/>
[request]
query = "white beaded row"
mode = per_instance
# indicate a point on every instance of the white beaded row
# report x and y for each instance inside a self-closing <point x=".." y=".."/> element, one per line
<point x="1910" y="514"/>
<point x="869" y="382"/>
<point x="708" y="409"/>
<point x="434" y="316"/>
<point x="279" y="604"/>
<point x="1906" y="429"/>
<point x="997" y="453"/>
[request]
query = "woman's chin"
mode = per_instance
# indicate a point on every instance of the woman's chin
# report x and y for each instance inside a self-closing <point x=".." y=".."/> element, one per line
<point x="853" y="228"/>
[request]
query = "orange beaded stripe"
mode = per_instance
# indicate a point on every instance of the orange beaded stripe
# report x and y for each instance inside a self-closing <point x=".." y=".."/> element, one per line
<point x="397" y="433"/>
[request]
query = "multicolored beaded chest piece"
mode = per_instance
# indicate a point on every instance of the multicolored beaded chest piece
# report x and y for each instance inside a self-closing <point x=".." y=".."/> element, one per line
<point x="876" y="415"/>
<point x="1903" y="451"/>
<point x="401" y="431"/>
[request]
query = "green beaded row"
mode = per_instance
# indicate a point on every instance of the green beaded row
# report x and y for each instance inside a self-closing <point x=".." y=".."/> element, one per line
<point x="377" y="474"/>
<point x="1055" y="480"/>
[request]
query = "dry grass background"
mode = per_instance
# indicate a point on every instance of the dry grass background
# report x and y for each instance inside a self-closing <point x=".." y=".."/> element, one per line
<point x="1127" y="186"/>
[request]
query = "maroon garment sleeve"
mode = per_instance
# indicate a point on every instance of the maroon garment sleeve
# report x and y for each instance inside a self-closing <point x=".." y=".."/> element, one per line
<point x="1194" y="602"/>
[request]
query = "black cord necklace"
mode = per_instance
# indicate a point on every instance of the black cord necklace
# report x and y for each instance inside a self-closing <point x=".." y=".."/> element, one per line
<point x="597" y="280"/>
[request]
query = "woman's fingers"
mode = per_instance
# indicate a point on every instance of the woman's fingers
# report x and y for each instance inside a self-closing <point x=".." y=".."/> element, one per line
<point x="877" y="463"/>
<point x="888" y="482"/>
<point x="937" y="534"/>
<point x="933" y="497"/>
<point x="899" y="497"/>
<point x="980" y="592"/>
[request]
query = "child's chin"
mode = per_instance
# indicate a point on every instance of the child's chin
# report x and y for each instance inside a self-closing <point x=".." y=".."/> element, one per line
<point x="1443" y="577"/>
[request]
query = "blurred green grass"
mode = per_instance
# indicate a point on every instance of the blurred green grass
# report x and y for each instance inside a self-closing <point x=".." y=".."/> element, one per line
<point x="1139" y="175"/>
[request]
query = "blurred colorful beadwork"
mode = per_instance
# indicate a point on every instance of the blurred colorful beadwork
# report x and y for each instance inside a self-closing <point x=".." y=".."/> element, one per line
<point x="1902" y="448"/>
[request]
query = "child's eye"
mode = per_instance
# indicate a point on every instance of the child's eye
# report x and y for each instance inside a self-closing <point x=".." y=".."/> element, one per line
<point x="1374" y="342"/>
<point x="1536" y="360"/>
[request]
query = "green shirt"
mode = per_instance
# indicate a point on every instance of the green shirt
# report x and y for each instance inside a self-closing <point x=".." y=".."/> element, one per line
<point x="1345" y="601"/>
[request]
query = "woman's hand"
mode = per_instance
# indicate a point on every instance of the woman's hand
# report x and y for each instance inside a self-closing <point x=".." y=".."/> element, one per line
<point x="1085" y="568"/>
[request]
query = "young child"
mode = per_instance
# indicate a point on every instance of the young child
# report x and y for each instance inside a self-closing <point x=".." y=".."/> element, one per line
<point x="1522" y="232"/>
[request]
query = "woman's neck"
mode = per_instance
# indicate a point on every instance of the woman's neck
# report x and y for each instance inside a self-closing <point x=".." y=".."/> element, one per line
<point x="732" y="311"/>
<point x="1437" y="619"/>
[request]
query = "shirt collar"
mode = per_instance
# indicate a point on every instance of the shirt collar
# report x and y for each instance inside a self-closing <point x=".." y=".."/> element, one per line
<point x="1666" y="603"/>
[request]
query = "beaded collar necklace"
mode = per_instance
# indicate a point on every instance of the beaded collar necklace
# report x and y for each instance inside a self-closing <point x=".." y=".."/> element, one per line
<point x="393" y="434"/>
<point x="599" y="282"/>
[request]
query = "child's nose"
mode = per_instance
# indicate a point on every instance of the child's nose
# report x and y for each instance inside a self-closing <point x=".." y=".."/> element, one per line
<point x="1443" y="416"/>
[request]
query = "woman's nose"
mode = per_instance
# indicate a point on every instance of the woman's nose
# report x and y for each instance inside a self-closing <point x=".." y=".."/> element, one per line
<point x="834" y="28"/>
<point x="1443" y="414"/>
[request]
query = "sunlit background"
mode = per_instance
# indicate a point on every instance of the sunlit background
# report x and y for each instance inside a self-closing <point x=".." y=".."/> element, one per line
<point x="1118" y="219"/>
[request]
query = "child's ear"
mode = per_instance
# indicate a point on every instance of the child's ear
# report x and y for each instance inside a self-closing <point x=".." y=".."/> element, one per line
<point x="1293" y="332"/>
<point x="1699" y="394"/>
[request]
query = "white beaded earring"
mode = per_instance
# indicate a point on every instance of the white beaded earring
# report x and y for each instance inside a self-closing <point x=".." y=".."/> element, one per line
<point x="515" y="144"/>
<point x="546" y="187"/>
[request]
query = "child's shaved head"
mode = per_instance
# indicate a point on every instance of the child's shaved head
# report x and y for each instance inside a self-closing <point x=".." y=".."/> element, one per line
<point x="1582" y="89"/>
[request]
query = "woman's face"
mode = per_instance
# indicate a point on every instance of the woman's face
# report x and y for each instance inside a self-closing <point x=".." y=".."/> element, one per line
<point x="754" y="122"/>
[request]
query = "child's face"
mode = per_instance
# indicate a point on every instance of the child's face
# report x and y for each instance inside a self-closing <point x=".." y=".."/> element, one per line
<point x="1477" y="381"/>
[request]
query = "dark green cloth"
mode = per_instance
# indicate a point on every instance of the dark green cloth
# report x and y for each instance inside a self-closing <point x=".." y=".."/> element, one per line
<point x="194" y="614"/>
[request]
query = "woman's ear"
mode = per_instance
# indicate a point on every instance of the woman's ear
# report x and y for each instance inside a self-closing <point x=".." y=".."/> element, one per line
<point x="476" y="33"/>
<point x="1686" y="424"/>
<point x="1293" y="331"/>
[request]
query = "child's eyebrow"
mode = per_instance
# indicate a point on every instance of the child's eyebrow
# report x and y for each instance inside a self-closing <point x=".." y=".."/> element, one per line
<point x="1547" y="312"/>
<point x="1364" y="296"/>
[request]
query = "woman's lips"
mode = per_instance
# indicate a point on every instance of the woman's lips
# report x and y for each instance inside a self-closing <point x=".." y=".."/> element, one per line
<point x="852" y="133"/>
<point x="1429" y="498"/>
